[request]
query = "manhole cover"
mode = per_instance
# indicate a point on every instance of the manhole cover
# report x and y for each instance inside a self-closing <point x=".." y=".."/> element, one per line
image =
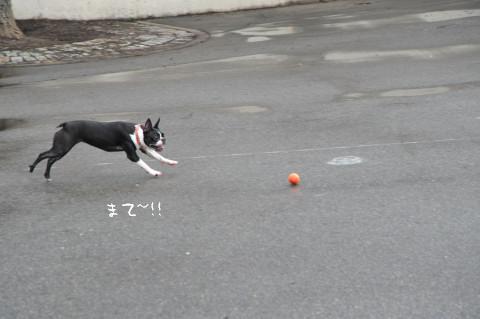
<point x="345" y="160"/>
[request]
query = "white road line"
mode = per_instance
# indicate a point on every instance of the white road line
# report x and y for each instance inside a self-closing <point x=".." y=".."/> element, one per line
<point x="320" y="149"/>
<point x="415" y="92"/>
<point x="431" y="53"/>
<point x="434" y="16"/>
<point x="169" y="71"/>
<point x="331" y="148"/>
<point x="258" y="39"/>
<point x="269" y="31"/>
<point x="437" y="16"/>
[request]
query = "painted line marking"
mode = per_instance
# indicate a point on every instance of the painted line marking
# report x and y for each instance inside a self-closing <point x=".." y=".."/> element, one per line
<point x="264" y="32"/>
<point x="258" y="39"/>
<point x="169" y="71"/>
<point x="336" y="16"/>
<point x="319" y="195"/>
<point x="331" y="148"/>
<point x="267" y="31"/>
<point x="448" y="15"/>
<point x="217" y="33"/>
<point x="366" y="56"/>
<point x="434" y="16"/>
<point x="412" y="92"/>
<point x="415" y="92"/>
<point x="247" y="109"/>
<point x="322" y="149"/>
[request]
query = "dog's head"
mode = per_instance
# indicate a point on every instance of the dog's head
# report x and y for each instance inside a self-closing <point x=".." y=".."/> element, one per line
<point x="152" y="136"/>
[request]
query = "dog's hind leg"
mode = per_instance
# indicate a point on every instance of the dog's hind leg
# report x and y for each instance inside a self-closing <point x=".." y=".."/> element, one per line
<point x="62" y="144"/>
<point x="50" y="162"/>
<point x="60" y="152"/>
<point x="40" y="158"/>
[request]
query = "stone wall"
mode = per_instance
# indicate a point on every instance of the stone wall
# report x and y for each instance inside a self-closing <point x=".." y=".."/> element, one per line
<point x="115" y="9"/>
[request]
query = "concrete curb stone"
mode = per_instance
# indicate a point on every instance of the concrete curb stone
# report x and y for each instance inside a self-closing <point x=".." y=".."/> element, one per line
<point x="135" y="38"/>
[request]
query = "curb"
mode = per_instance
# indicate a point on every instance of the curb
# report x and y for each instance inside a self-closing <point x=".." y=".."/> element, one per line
<point x="135" y="39"/>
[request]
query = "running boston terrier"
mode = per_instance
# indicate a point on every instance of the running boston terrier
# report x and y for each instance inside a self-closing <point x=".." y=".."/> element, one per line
<point x="110" y="137"/>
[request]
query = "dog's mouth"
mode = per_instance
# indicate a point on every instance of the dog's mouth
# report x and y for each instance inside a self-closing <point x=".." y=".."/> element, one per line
<point x="158" y="148"/>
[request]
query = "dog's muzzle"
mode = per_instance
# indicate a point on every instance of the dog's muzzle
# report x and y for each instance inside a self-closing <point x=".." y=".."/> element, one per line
<point x="159" y="147"/>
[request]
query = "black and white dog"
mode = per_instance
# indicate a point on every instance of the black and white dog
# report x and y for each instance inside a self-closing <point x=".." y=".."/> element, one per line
<point x="110" y="137"/>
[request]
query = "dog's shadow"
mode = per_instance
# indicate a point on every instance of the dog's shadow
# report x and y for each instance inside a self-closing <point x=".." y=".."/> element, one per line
<point x="101" y="186"/>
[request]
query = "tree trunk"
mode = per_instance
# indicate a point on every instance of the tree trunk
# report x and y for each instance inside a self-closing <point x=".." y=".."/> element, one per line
<point x="8" y="26"/>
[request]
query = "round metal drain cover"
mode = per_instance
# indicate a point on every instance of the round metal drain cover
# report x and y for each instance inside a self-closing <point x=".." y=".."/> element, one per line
<point x="345" y="160"/>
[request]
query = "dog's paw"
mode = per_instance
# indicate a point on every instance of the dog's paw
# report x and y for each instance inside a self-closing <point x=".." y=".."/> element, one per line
<point x="172" y="163"/>
<point x="156" y="173"/>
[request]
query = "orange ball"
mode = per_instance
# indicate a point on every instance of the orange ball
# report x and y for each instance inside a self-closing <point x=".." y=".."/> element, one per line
<point x="294" y="179"/>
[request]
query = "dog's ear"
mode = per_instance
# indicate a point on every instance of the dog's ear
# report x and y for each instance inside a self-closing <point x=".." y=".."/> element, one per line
<point x="156" y="124"/>
<point x="148" y="125"/>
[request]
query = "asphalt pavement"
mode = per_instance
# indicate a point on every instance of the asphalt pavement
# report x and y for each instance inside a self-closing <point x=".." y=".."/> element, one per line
<point x="375" y="105"/>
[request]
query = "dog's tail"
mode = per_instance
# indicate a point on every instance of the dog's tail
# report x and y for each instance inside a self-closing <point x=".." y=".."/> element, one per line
<point x="62" y="125"/>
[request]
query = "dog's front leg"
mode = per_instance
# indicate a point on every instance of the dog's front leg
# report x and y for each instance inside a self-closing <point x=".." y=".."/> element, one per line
<point x="159" y="157"/>
<point x="133" y="156"/>
<point x="147" y="168"/>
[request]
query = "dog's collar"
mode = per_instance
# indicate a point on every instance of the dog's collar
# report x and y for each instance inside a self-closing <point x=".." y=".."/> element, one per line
<point x="137" y="138"/>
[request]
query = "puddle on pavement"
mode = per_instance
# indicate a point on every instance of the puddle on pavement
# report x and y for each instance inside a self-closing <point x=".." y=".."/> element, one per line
<point x="4" y="74"/>
<point x="6" y="124"/>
